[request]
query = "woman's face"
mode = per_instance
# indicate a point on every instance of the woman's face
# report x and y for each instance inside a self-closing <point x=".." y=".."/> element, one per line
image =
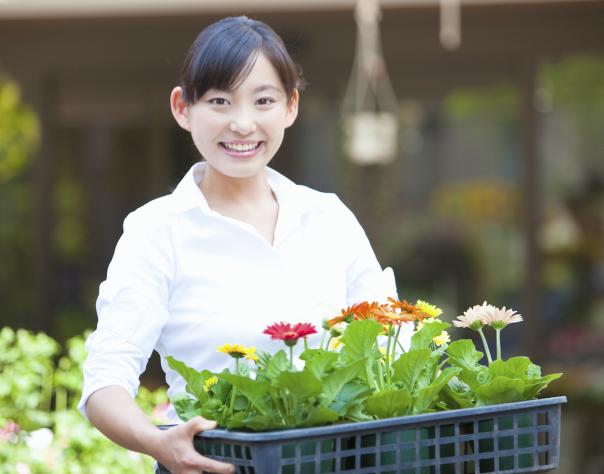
<point x="239" y="132"/>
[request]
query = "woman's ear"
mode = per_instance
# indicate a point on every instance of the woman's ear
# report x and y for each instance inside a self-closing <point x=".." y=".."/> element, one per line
<point x="292" y="109"/>
<point x="180" y="108"/>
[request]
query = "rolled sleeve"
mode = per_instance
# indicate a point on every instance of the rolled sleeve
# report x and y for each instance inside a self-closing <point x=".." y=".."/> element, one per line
<point x="131" y="307"/>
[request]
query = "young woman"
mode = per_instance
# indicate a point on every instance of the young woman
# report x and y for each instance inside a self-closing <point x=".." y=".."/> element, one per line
<point x="236" y="247"/>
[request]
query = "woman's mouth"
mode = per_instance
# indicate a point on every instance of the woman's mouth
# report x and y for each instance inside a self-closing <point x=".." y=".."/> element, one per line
<point x="241" y="150"/>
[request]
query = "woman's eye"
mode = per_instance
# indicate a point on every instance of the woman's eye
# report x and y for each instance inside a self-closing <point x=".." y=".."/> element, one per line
<point x="219" y="101"/>
<point x="264" y="101"/>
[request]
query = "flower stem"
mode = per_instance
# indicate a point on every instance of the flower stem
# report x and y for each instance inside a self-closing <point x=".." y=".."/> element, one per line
<point x="323" y="339"/>
<point x="328" y="342"/>
<point x="381" y="372"/>
<point x="402" y="348"/>
<point x="498" y="344"/>
<point x="305" y="344"/>
<point x="388" y="383"/>
<point x="291" y="357"/>
<point x="486" y="346"/>
<point x="398" y="331"/>
<point x="234" y="392"/>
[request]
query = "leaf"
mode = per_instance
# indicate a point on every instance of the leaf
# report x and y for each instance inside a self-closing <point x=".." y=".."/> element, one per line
<point x="309" y="354"/>
<point x="319" y="416"/>
<point x="264" y="357"/>
<point x="205" y="375"/>
<point x="222" y="389"/>
<point x="499" y="368"/>
<point x="252" y="389"/>
<point x="388" y="403"/>
<point x="519" y="365"/>
<point x="500" y="390"/>
<point x="278" y="364"/>
<point x="465" y="353"/>
<point x="534" y="372"/>
<point x="426" y="397"/>
<point x="244" y="369"/>
<point x="240" y="402"/>
<point x="204" y="395"/>
<point x="408" y="367"/>
<point x="349" y="395"/>
<point x="193" y="378"/>
<point x="533" y="386"/>
<point x="428" y="374"/>
<point x="458" y="386"/>
<point x="254" y="422"/>
<point x="485" y="378"/>
<point x="213" y="410"/>
<point x="333" y="383"/>
<point x="423" y="338"/>
<point x="453" y="399"/>
<point x="358" y="413"/>
<point x="184" y="406"/>
<point x="321" y="363"/>
<point x="301" y="385"/>
<point x="359" y="338"/>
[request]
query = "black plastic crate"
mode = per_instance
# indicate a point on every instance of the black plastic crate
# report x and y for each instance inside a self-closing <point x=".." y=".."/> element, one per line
<point x="510" y="438"/>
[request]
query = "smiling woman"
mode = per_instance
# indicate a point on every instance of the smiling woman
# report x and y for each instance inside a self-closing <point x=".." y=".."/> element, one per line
<point x="234" y="248"/>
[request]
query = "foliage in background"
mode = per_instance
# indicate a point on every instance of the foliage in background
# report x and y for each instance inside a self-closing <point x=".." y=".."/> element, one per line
<point x="19" y="138"/>
<point x="41" y="431"/>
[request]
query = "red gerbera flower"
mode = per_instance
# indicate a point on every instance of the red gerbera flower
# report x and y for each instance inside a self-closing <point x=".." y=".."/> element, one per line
<point x="288" y="334"/>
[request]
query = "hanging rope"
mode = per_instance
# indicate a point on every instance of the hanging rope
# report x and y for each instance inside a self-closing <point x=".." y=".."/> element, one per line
<point x="370" y="106"/>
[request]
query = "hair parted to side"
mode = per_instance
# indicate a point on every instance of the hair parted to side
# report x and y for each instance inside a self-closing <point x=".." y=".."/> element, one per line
<point x="223" y="55"/>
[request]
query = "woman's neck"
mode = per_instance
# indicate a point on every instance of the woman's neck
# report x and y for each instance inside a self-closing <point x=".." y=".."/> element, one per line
<point x="220" y="190"/>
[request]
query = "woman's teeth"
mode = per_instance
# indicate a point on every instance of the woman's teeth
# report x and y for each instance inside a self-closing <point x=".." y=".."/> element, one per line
<point x="240" y="147"/>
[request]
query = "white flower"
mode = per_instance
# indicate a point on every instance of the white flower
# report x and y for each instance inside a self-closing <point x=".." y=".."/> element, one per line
<point x="38" y="442"/>
<point x="499" y="318"/>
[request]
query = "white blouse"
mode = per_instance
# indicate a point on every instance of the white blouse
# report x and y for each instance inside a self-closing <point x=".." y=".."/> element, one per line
<point x="185" y="279"/>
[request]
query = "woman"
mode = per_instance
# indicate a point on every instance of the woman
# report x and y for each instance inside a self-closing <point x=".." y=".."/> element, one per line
<point x="236" y="247"/>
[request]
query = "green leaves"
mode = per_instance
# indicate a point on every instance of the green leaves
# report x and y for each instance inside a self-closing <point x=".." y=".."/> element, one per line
<point x="426" y="397"/>
<point x="423" y="338"/>
<point x="463" y="353"/>
<point x="333" y="383"/>
<point x="301" y="385"/>
<point x="388" y="403"/>
<point x="192" y="377"/>
<point x="499" y="390"/>
<point x="253" y="390"/>
<point x="408" y="367"/>
<point x="185" y="406"/>
<point x="359" y="338"/>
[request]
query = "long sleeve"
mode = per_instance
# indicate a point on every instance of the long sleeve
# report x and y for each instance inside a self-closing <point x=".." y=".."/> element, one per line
<point x="132" y="308"/>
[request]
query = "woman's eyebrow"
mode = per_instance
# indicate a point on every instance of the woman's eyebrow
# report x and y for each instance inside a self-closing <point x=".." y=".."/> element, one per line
<point x="266" y="87"/>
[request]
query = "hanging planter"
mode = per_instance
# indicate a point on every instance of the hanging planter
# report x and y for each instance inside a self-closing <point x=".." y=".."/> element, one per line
<point x="369" y="110"/>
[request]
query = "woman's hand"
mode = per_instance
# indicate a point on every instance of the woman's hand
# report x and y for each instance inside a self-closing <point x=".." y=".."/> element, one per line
<point x="113" y="411"/>
<point x="174" y="449"/>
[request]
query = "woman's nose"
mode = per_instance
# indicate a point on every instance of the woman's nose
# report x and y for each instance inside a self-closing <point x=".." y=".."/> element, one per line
<point x="243" y="123"/>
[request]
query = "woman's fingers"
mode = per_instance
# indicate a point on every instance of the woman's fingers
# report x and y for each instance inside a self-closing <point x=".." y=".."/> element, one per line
<point x="186" y="460"/>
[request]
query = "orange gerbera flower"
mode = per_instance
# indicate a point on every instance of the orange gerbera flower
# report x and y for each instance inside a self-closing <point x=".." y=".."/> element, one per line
<point x="407" y="308"/>
<point x="365" y="311"/>
<point x="385" y="314"/>
<point x="347" y="316"/>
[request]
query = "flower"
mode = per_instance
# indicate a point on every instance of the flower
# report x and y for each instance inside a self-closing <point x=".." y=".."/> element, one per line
<point x="472" y="318"/>
<point x="365" y="311"/>
<point x="347" y="315"/>
<point x="429" y="321"/>
<point x="442" y="339"/>
<point x="498" y="318"/>
<point x="407" y="308"/>
<point x="288" y="334"/>
<point x="336" y="343"/>
<point x="238" y="352"/>
<point x="22" y="468"/>
<point x="429" y="310"/>
<point x="337" y="330"/>
<point x="384" y="316"/>
<point x="207" y="385"/>
<point x="325" y="324"/>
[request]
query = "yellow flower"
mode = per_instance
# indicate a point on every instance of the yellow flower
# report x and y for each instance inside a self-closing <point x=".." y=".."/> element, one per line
<point x="208" y="383"/>
<point x="428" y="309"/>
<point x="336" y="343"/>
<point x="238" y="352"/>
<point x="383" y="351"/>
<point x="442" y="339"/>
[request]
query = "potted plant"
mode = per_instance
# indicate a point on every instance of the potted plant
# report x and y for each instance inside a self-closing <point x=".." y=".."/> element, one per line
<point x="357" y="406"/>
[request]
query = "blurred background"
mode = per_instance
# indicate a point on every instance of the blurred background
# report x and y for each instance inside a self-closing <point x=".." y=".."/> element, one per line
<point x="495" y="191"/>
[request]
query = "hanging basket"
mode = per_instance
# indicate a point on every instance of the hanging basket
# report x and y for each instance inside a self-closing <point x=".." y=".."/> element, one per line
<point x="371" y="137"/>
<point x="511" y="438"/>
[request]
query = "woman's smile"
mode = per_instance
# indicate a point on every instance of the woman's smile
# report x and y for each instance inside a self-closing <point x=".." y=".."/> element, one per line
<point x="241" y="149"/>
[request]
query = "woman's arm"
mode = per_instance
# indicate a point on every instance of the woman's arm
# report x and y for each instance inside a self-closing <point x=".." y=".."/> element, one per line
<point x="115" y="414"/>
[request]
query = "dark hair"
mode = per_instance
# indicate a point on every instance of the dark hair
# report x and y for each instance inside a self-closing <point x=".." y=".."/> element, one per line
<point x="223" y="55"/>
